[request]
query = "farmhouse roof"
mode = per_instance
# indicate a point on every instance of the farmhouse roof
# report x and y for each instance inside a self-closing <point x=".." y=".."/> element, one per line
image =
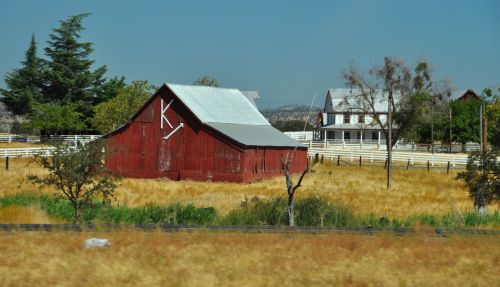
<point x="463" y="95"/>
<point x="345" y="99"/>
<point x="231" y="113"/>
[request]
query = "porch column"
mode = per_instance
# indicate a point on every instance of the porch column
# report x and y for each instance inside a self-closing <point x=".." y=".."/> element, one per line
<point x="343" y="137"/>
<point x="361" y="139"/>
<point x="378" y="140"/>
<point x="325" y="136"/>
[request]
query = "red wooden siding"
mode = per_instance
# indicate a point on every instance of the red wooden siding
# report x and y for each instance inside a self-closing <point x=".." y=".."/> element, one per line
<point x="193" y="152"/>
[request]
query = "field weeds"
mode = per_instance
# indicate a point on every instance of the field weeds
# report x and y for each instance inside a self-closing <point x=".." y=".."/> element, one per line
<point x="240" y="259"/>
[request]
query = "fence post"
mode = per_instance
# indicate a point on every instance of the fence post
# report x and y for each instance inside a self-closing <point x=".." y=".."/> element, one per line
<point x="10" y="138"/>
<point x="428" y="165"/>
<point x="408" y="164"/>
<point x="360" y="160"/>
<point x="448" y="168"/>
<point x="321" y="159"/>
<point x="7" y="163"/>
<point x="385" y="164"/>
<point x="338" y="160"/>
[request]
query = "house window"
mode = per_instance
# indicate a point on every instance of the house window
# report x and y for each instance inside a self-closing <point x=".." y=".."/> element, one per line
<point x="347" y="135"/>
<point x="347" y="118"/>
<point x="361" y="118"/>
<point x="330" y="135"/>
<point x="331" y="119"/>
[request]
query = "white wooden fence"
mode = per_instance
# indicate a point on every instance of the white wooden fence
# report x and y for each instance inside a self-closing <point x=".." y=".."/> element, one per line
<point x="24" y="152"/>
<point x="36" y="139"/>
<point x="397" y="156"/>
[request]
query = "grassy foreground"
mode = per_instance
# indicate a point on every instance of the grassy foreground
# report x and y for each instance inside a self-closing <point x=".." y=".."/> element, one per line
<point x="239" y="259"/>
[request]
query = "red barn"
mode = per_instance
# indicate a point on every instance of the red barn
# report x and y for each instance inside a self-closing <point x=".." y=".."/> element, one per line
<point x="201" y="133"/>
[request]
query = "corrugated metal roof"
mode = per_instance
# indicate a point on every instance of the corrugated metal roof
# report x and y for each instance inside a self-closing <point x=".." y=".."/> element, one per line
<point x="255" y="135"/>
<point x="218" y="105"/>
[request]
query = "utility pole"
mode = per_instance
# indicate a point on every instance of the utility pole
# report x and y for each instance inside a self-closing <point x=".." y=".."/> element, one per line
<point x="481" y="126"/>
<point x="451" y="139"/>
<point x="389" y="139"/>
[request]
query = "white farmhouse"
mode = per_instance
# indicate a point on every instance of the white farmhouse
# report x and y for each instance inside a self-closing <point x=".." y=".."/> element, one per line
<point x="344" y="121"/>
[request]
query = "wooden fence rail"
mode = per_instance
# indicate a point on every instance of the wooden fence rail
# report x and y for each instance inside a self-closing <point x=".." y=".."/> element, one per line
<point x="410" y="158"/>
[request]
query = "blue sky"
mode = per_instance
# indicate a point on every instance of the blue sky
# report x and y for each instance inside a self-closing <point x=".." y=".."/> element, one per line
<point x="287" y="50"/>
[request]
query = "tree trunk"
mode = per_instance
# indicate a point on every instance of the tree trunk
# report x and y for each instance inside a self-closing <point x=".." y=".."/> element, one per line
<point x="389" y="144"/>
<point x="77" y="218"/>
<point x="291" y="218"/>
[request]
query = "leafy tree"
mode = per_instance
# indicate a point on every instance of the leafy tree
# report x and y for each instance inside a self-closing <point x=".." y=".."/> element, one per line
<point x="69" y="78"/>
<point x="482" y="178"/>
<point x="465" y="120"/>
<point x="115" y="112"/>
<point x="493" y="116"/>
<point x="23" y="84"/>
<point x="111" y="87"/>
<point x="79" y="175"/>
<point x="56" y="118"/>
<point x="206" y="81"/>
<point x="293" y="125"/>
<point x="404" y="93"/>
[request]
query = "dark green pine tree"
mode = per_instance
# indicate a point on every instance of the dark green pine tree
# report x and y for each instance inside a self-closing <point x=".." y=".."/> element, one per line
<point x="69" y="78"/>
<point x="23" y="84"/>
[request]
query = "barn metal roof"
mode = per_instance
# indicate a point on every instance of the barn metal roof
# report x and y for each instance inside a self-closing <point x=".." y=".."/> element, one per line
<point x="219" y="105"/>
<point x="231" y="113"/>
<point x="255" y="135"/>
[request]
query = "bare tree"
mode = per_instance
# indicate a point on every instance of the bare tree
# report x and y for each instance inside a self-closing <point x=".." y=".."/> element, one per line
<point x="395" y="85"/>
<point x="285" y="164"/>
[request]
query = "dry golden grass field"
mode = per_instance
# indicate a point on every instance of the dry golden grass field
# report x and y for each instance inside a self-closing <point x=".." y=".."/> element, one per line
<point x="237" y="259"/>
<point x="18" y="145"/>
<point x="414" y="192"/>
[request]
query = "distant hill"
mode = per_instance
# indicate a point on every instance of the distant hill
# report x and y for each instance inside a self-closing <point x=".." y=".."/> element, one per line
<point x="290" y="113"/>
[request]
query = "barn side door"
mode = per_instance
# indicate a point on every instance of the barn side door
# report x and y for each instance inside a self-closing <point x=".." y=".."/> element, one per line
<point x="170" y="158"/>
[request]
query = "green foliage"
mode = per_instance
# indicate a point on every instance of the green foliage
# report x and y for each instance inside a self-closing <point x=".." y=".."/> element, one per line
<point x="116" y="111"/>
<point x="309" y="211"/>
<point x="465" y="120"/>
<point x="79" y="174"/>
<point x="206" y="81"/>
<point x="55" y="118"/>
<point x="482" y="178"/>
<point x="23" y="84"/>
<point x="69" y="76"/>
<point x="293" y="125"/>
<point x="111" y="88"/>
<point x="493" y="116"/>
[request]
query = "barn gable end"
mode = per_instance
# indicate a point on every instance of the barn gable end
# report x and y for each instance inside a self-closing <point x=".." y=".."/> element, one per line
<point x="170" y="136"/>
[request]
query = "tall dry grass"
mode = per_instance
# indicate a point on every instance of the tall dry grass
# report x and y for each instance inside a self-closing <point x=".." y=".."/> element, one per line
<point x="236" y="259"/>
<point x="414" y="192"/>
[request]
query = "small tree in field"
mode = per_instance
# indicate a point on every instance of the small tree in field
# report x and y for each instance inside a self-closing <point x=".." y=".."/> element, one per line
<point x="285" y="164"/>
<point x="79" y="175"/>
<point x="482" y="178"/>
